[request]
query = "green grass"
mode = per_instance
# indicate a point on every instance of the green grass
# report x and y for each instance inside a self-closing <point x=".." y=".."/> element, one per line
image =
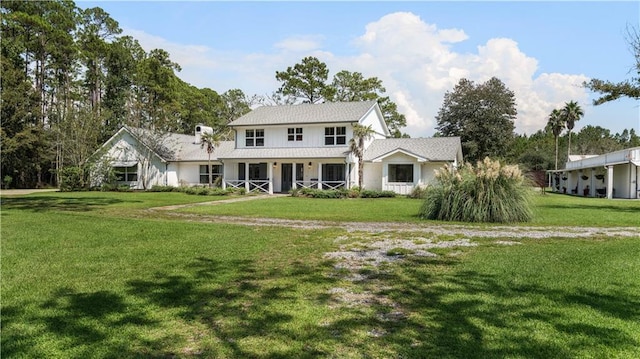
<point x="95" y="275"/>
<point x="562" y="210"/>
<point x="542" y="299"/>
<point x="326" y="209"/>
<point x="549" y="210"/>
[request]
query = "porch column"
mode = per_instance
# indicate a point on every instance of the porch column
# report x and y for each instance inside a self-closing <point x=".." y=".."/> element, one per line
<point x="294" y="175"/>
<point x="419" y="174"/>
<point x="347" y="178"/>
<point x="270" y="175"/>
<point x="246" y="177"/>
<point x="319" y="175"/>
<point x="632" y="180"/>
<point x="592" y="185"/>
<point x="385" y="175"/>
<point x="224" y="185"/>
<point x="610" y="182"/>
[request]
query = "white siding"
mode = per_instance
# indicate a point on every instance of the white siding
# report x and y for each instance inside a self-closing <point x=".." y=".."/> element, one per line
<point x="428" y="172"/>
<point x="172" y="174"/>
<point x="189" y="173"/>
<point x="372" y="176"/>
<point x="277" y="136"/>
<point x="400" y="187"/>
<point x="621" y="181"/>
<point x="126" y="149"/>
<point x="372" y="119"/>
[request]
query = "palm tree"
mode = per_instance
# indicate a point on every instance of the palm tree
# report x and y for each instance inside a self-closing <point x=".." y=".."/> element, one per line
<point x="356" y="146"/>
<point x="556" y="125"/>
<point x="571" y="113"/>
<point x="210" y="140"/>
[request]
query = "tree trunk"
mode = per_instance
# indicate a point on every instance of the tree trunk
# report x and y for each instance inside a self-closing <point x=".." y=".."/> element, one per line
<point x="556" y="153"/>
<point x="209" y="171"/>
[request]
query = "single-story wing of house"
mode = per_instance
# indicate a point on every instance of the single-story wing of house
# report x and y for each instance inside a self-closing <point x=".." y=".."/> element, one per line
<point x="611" y="175"/>
<point x="279" y="148"/>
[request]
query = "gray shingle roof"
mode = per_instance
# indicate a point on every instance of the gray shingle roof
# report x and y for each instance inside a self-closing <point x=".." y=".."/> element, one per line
<point x="433" y="149"/>
<point x="187" y="150"/>
<point x="329" y="112"/>
<point x="275" y="153"/>
<point x="179" y="147"/>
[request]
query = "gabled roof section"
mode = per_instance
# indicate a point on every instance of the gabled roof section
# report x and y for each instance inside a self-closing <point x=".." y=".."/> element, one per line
<point x="183" y="148"/>
<point x="330" y="112"/>
<point x="423" y="149"/>
<point x="174" y="146"/>
<point x="136" y="134"/>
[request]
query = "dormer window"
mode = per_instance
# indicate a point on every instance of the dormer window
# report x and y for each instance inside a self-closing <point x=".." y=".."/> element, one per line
<point x="294" y="134"/>
<point x="254" y="138"/>
<point x="335" y="136"/>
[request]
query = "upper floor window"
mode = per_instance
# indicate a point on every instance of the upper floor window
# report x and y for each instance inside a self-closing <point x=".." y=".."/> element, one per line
<point x="294" y="134"/>
<point x="254" y="138"/>
<point x="335" y="135"/>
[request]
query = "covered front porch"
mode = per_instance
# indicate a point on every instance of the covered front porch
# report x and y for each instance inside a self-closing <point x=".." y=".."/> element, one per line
<point x="282" y="175"/>
<point x="612" y="175"/>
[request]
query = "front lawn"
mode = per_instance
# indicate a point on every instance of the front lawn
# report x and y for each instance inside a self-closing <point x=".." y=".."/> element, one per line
<point x="549" y="210"/>
<point x="96" y="275"/>
<point x="324" y="209"/>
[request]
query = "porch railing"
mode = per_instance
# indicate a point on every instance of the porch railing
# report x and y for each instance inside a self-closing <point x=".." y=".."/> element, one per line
<point x="333" y="184"/>
<point x="258" y="185"/>
<point x="306" y="184"/>
<point x="315" y="184"/>
<point x="235" y="183"/>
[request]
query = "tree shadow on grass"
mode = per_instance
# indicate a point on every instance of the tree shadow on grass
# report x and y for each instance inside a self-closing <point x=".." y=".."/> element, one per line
<point x="56" y="203"/>
<point x="206" y="310"/>
<point x="473" y="315"/>
<point x="244" y="309"/>
<point x="72" y="324"/>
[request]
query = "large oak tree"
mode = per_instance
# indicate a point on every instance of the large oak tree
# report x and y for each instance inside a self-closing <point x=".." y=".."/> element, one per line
<point x="482" y="115"/>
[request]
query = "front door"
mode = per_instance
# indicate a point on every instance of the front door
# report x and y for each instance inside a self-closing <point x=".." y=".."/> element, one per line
<point x="287" y="177"/>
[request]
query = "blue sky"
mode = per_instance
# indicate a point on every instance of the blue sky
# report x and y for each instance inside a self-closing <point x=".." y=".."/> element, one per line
<point x="541" y="50"/>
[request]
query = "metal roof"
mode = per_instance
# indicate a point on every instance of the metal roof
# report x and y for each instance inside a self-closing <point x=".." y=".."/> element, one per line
<point x="330" y="112"/>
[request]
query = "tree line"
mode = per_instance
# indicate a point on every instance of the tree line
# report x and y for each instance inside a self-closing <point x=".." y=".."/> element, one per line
<point x="70" y="80"/>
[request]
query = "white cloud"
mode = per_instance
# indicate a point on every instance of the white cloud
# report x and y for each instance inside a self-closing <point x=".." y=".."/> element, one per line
<point x="417" y="65"/>
<point x="414" y="60"/>
<point x="300" y="43"/>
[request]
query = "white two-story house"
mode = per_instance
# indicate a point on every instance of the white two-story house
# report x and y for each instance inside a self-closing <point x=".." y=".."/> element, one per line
<point x="278" y="148"/>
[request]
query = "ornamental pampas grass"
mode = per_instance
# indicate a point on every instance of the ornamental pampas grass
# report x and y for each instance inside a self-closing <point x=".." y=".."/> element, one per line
<point x="489" y="192"/>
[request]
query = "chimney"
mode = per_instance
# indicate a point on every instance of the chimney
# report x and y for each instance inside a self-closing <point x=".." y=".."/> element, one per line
<point x="200" y="130"/>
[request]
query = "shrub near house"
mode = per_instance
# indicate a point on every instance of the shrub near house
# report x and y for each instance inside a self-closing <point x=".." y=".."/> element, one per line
<point x="489" y="192"/>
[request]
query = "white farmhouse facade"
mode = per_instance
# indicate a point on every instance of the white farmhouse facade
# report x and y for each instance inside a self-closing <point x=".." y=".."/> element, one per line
<point x="279" y="148"/>
<point x="611" y="175"/>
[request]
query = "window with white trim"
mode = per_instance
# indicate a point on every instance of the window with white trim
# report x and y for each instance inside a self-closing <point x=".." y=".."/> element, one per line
<point x="335" y="136"/>
<point x="126" y="174"/>
<point x="294" y="134"/>
<point x="216" y="171"/>
<point x="254" y="138"/>
<point x="402" y="173"/>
